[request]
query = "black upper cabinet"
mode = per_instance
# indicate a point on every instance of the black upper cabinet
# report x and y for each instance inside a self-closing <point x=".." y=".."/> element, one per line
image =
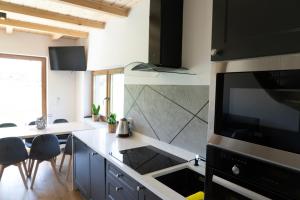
<point x="254" y="28"/>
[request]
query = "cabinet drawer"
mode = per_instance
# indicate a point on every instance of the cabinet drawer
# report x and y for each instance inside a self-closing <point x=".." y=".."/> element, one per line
<point x="117" y="191"/>
<point x="119" y="176"/>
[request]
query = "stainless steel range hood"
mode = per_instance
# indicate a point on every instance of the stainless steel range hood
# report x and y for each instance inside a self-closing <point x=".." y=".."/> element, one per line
<point x="165" y="38"/>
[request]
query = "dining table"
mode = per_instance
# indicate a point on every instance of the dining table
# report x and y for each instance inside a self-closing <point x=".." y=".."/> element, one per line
<point x="28" y="131"/>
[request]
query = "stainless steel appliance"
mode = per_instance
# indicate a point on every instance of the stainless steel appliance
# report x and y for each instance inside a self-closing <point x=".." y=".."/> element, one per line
<point x="146" y="159"/>
<point x="258" y="114"/>
<point x="123" y="129"/>
<point x="233" y="176"/>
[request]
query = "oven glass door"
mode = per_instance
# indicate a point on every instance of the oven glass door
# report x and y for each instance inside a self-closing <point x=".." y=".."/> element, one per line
<point x="260" y="107"/>
<point x="226" y="190"/>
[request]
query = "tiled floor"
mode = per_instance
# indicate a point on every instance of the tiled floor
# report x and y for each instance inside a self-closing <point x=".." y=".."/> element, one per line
<point x="46" y="186"/>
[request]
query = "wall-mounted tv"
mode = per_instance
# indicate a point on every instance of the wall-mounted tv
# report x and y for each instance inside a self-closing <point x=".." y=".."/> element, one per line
<point x="68" y="58"/>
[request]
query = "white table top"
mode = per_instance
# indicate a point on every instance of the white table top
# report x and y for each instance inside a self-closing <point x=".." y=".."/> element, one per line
<point x="32" y="131"/>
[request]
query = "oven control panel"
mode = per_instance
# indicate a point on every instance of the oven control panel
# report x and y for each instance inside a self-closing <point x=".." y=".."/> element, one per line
<point x="254" y="171"/>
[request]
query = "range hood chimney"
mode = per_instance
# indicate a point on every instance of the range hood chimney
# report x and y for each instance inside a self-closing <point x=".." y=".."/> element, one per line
<point x="165" y="38"/>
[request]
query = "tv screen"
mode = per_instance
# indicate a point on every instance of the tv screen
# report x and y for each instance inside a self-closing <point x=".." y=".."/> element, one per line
<point x="70" y="58"/>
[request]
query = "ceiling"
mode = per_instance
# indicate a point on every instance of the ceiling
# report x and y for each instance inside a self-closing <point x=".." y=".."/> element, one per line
<point x="61" y="18"/>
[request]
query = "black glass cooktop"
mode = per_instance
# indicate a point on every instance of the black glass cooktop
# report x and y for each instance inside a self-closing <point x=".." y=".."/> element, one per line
<point x="147" y="159"/>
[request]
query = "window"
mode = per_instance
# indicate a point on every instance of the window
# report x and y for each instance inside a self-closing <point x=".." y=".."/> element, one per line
<point x="23" y="88"/>
<point x="108" y="91"/>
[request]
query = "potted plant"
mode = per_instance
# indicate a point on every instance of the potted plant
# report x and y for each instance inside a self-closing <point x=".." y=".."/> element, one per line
<point x="112" y="123"/>
<point x="95" y="112"/>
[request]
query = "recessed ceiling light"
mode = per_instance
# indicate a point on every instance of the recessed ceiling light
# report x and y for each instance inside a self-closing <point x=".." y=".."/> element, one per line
<point x="2" y="15"/>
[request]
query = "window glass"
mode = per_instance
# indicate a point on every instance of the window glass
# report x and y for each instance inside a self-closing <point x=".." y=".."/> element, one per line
<point x="100" y="92"/>
<point x="21" y="90"/>
<point x="117" y="95"/>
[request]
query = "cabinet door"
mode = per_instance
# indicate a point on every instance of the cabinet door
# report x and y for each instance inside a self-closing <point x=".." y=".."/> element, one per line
<point x="253" y="28"/>
<point x="145" y="194"/>
<point x="97" y="177"/>
<point x="82" y="167"/>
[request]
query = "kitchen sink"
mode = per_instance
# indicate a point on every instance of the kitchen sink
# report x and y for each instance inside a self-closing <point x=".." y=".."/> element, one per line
<point x="185" y="181"/>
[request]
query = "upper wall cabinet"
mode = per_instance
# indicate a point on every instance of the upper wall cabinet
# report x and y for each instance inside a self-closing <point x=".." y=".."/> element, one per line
<point x="254" y="28"/>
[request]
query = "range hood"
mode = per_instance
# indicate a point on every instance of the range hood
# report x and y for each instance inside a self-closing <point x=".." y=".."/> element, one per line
<point x="165" y="38"/>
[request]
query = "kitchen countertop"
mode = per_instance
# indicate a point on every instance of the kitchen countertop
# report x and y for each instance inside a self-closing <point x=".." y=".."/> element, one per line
<point x="103" y="143"/>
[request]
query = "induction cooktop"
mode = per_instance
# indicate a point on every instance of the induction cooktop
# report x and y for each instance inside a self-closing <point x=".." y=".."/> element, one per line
<point x="147" y="159"/>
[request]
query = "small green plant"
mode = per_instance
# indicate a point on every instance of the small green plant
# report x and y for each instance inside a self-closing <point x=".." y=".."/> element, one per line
<point x="95" y="110"/>
<point x="112" y="119"/>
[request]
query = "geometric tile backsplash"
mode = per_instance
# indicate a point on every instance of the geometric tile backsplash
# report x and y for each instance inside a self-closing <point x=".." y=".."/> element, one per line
<point x="174" y="114"/>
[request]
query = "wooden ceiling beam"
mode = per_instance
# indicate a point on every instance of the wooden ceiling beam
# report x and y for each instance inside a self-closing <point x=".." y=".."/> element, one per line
<point x="11" y="7"/>
<point x="44" y="28"/>
<point x="100" y="6"/>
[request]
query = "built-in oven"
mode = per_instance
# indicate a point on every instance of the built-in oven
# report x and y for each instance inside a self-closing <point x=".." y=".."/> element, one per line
<point x="233" y="176"/>
<point x="258" y="114"/>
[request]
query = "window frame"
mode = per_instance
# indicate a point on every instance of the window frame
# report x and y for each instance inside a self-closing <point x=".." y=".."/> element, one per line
<point x="43" y="61"/>
<point x="108" y="73"/>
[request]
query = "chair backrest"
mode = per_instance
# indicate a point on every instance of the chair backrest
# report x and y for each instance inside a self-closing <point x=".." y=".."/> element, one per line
<point x="60" y="121"/>
<point x="32" y="123"/>
<point x="44" y="147"/>
<point x="6" y="125"/>
<point x="68" y="148"/>
<point x="12" y="151"/>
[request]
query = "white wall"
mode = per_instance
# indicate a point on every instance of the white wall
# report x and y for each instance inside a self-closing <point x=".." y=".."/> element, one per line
<point x="122" y="41"/>
<point x="61" y="86"/>
<point x="196" y="44"/>
<point x="126" y="40"/>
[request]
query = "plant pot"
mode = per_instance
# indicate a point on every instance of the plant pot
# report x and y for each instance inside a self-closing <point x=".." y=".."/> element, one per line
<point x="95" y="118"/>
<point x="112" y="128"/>
<point x="102" y="118"/>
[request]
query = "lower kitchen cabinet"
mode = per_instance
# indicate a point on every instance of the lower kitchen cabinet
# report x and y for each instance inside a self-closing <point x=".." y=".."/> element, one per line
<point x="82" y="167"/>
<point x="97" y="164"/>
<point x="98" y="179"/>
<point x="120" y="186"/>
<point x="89" y="171"/>
<point x="145" y="194"/>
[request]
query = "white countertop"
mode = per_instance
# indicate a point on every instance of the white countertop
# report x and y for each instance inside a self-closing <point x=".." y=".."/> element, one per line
<point x="103" y="143"/>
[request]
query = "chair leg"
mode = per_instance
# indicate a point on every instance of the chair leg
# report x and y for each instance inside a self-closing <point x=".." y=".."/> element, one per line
<point x="62" y="161"/>
<point x="25" y="168"/>
<point x="2" y="167"/>
<point x="22" y="175"/>
<point x="34" y="174"/>
<point x="54" y="169"/>
<point x="69" y="167"/>
<point x="29" y="164"/>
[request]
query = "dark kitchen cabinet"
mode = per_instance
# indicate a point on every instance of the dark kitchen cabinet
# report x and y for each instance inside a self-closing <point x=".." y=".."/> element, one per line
<point x="120" y="186"/>
<point x="89" y="171"/>
<point x="254" y="28"/>
<point x="145" y="194"/>
<point x="82" y="167"/>
<point x="97" y="163"/>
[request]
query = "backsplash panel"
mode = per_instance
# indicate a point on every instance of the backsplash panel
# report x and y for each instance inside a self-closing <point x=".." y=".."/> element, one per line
<point x="175" y="114"/>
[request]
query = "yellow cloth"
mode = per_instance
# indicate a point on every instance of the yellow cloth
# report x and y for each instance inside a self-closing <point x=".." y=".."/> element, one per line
<point x="196" y="196"/>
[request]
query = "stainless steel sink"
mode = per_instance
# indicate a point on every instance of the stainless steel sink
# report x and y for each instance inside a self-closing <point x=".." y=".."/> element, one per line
<point x="184" y="181"/>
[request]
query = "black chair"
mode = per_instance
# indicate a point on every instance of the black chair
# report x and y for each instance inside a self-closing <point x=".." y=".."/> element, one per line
<point x="67" y="151"/>
<point x="7" y="125"/>
<point x="44" y="148"/>
<point x="62" y="139"/>
<point x="13" y="152"/>
<point x="28" y="141"/>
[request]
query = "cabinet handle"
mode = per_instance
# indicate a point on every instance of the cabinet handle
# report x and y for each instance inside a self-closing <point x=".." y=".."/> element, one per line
<point x="118" y="175"/>
<point x="94" y="153"/>
<point x="139" y="188"/>
<point x="118" y="189"/>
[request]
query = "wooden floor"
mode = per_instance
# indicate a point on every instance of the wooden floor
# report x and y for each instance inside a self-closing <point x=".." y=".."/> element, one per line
<point x="46" y="186"/>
